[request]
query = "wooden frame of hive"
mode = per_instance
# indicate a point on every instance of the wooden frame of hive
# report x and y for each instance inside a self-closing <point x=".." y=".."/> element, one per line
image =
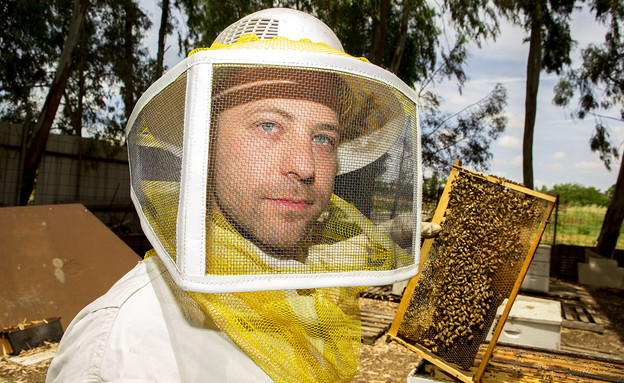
<point x="470" y="375"/>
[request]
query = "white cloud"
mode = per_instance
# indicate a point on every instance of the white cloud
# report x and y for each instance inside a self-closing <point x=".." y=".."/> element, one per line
<point x="558" y="156"/>
<point x="589" y="165"/>
<point x="516" y="161"/>
<point x="510" y="142"/>
<point x="539" y="183"/>
<point x="617" y="134"/>
<point x="557" y="166"/>
<point x="500" y="173"/>
<point x="459" y="100"/>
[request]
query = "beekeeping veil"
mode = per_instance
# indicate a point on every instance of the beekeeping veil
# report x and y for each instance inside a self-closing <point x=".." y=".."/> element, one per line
<point x="270" y="163"/>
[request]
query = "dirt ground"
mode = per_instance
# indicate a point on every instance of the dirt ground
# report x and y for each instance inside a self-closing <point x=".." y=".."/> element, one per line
<point x="384" y="362"/>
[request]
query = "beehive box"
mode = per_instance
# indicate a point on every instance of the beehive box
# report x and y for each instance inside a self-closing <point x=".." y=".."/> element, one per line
<point x="532" y="322"/>
<point x="538" y="274"/>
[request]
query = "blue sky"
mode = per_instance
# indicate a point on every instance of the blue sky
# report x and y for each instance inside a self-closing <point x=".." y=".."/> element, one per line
<point x="561" y="151"/>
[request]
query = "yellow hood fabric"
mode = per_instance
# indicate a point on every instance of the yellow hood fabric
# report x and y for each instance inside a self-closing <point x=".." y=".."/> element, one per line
<point x="310" y="335"/>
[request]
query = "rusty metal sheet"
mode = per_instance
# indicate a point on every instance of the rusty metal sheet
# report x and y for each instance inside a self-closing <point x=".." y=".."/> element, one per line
<point x="54" y="260"/>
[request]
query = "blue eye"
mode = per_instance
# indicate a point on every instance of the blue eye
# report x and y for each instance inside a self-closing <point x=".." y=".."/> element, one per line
<point x="324" y="140"/>
<point x="268" y="126"/>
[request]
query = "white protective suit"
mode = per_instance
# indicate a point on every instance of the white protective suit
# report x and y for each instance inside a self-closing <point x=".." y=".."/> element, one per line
<point x="146" y="329"/>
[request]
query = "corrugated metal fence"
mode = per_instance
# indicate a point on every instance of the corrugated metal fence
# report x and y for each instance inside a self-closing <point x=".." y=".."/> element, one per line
<point x="74" y="169"/>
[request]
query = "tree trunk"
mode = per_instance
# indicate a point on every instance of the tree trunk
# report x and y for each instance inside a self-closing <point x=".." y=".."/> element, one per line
<point x="534" y="67"/>
<point x="398" y="51"/>
<point x="128" y="88"/>
<point x="379" y="33"/>
<point x="162" y="34"/>
<point x="612" y="223"/>
<point x="41" y="131"/>
<point x="82" y="93"/>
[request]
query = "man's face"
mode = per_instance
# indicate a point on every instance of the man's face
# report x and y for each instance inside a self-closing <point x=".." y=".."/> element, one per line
<point x="275" y="164"/>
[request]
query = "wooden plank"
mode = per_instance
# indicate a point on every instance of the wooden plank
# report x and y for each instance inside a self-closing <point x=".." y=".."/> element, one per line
<point x="380" y="324"/>
<point x="594" y="315"/>
<point x="581" y="318"/>
<point x="567" y="312"/>
<point x="552" y="366"/>
<point x="590" y="352"/>
<point x="581" y="314"/>
<point x="374" y="325"/>
<point x="578" y="325"/>
<point x="377" y="316"/>
<point x="377" y="330"/>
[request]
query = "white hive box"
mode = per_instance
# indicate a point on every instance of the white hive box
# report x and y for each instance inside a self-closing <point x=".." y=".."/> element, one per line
<point x="538" y="273"/>
<point x="532" y="322"/>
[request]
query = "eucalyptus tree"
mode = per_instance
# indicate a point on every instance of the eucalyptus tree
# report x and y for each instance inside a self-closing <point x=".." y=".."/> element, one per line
<point x="599" y="85"/>
<point x="31" y="40"/>
<point x="124" y="29"/>
<point x="41" y="129"/>
<point x="102" y="57"/>
<point x="550" y="43"/>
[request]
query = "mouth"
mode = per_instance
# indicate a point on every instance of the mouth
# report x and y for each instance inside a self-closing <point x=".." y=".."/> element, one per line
<point x="290" y="203"/>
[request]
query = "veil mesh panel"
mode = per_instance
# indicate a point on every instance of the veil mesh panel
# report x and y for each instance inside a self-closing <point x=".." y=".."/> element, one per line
<point x="155" y="149"/>
<point x="277" y="136"/>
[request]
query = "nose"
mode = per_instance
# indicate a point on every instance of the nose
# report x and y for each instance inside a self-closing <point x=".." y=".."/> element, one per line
<point x="298" y="159"/>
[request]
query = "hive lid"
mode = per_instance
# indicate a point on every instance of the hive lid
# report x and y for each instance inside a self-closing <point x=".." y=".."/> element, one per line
<point x="532" y="309"/>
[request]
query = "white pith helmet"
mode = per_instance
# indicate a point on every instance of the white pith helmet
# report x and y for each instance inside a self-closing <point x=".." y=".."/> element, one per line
<point x="283" y="22"/>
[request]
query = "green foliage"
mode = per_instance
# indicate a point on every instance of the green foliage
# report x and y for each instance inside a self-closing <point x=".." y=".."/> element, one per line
<point x="553" y="18"/>
<point x="109" y="58"/>
<point x="600" y="85"/>
<point x="577" y="225"/>
<point x="432" y="188"/>
<point x="600" y="80"/>
<point x="466" y="135"/>
<point x="578" y="195"/>
<point x="31" y="39"/>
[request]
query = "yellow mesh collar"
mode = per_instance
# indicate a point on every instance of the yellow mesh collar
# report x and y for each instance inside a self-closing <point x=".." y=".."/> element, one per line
<point x="251" y="41"/>
<point x="310" y="335"/>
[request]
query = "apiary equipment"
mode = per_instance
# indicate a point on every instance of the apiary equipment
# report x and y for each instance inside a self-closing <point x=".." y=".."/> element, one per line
<point x="537" y="278"/>
<point x="532" y="322"/>
<point x="522" y="364"/>
<point x="491" y="228"/>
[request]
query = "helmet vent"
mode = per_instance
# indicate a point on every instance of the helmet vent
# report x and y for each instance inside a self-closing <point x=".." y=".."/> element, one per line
<point x="264" y="28"/>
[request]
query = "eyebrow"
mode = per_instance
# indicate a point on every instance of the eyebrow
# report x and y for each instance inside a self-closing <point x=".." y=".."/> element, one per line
<point x="289" y="116"/>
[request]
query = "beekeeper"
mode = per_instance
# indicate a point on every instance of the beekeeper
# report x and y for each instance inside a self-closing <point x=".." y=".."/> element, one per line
<point x="238" y="158"/>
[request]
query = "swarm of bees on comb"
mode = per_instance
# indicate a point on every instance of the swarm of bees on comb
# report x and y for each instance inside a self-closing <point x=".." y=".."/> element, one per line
<point x="472" y="267"/>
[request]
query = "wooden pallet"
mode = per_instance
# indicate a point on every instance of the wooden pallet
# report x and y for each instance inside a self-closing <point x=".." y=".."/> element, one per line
<point x="581" y="317"/>
<point x="523" y="364"/>
<point x="374" y="325"/>
<point x="382" y="293"/>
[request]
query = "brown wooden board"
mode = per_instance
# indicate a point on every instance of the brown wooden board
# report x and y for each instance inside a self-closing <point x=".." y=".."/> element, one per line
<point x="525" y="364"/>
<point x="578" y="316"/>
<point x="54" y="260"/>
<point x="374" y="325"/>
<point x="382" y="293"/>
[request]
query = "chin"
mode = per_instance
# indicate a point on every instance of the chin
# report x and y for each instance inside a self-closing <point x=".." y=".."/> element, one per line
<point x="285" y="240"/>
